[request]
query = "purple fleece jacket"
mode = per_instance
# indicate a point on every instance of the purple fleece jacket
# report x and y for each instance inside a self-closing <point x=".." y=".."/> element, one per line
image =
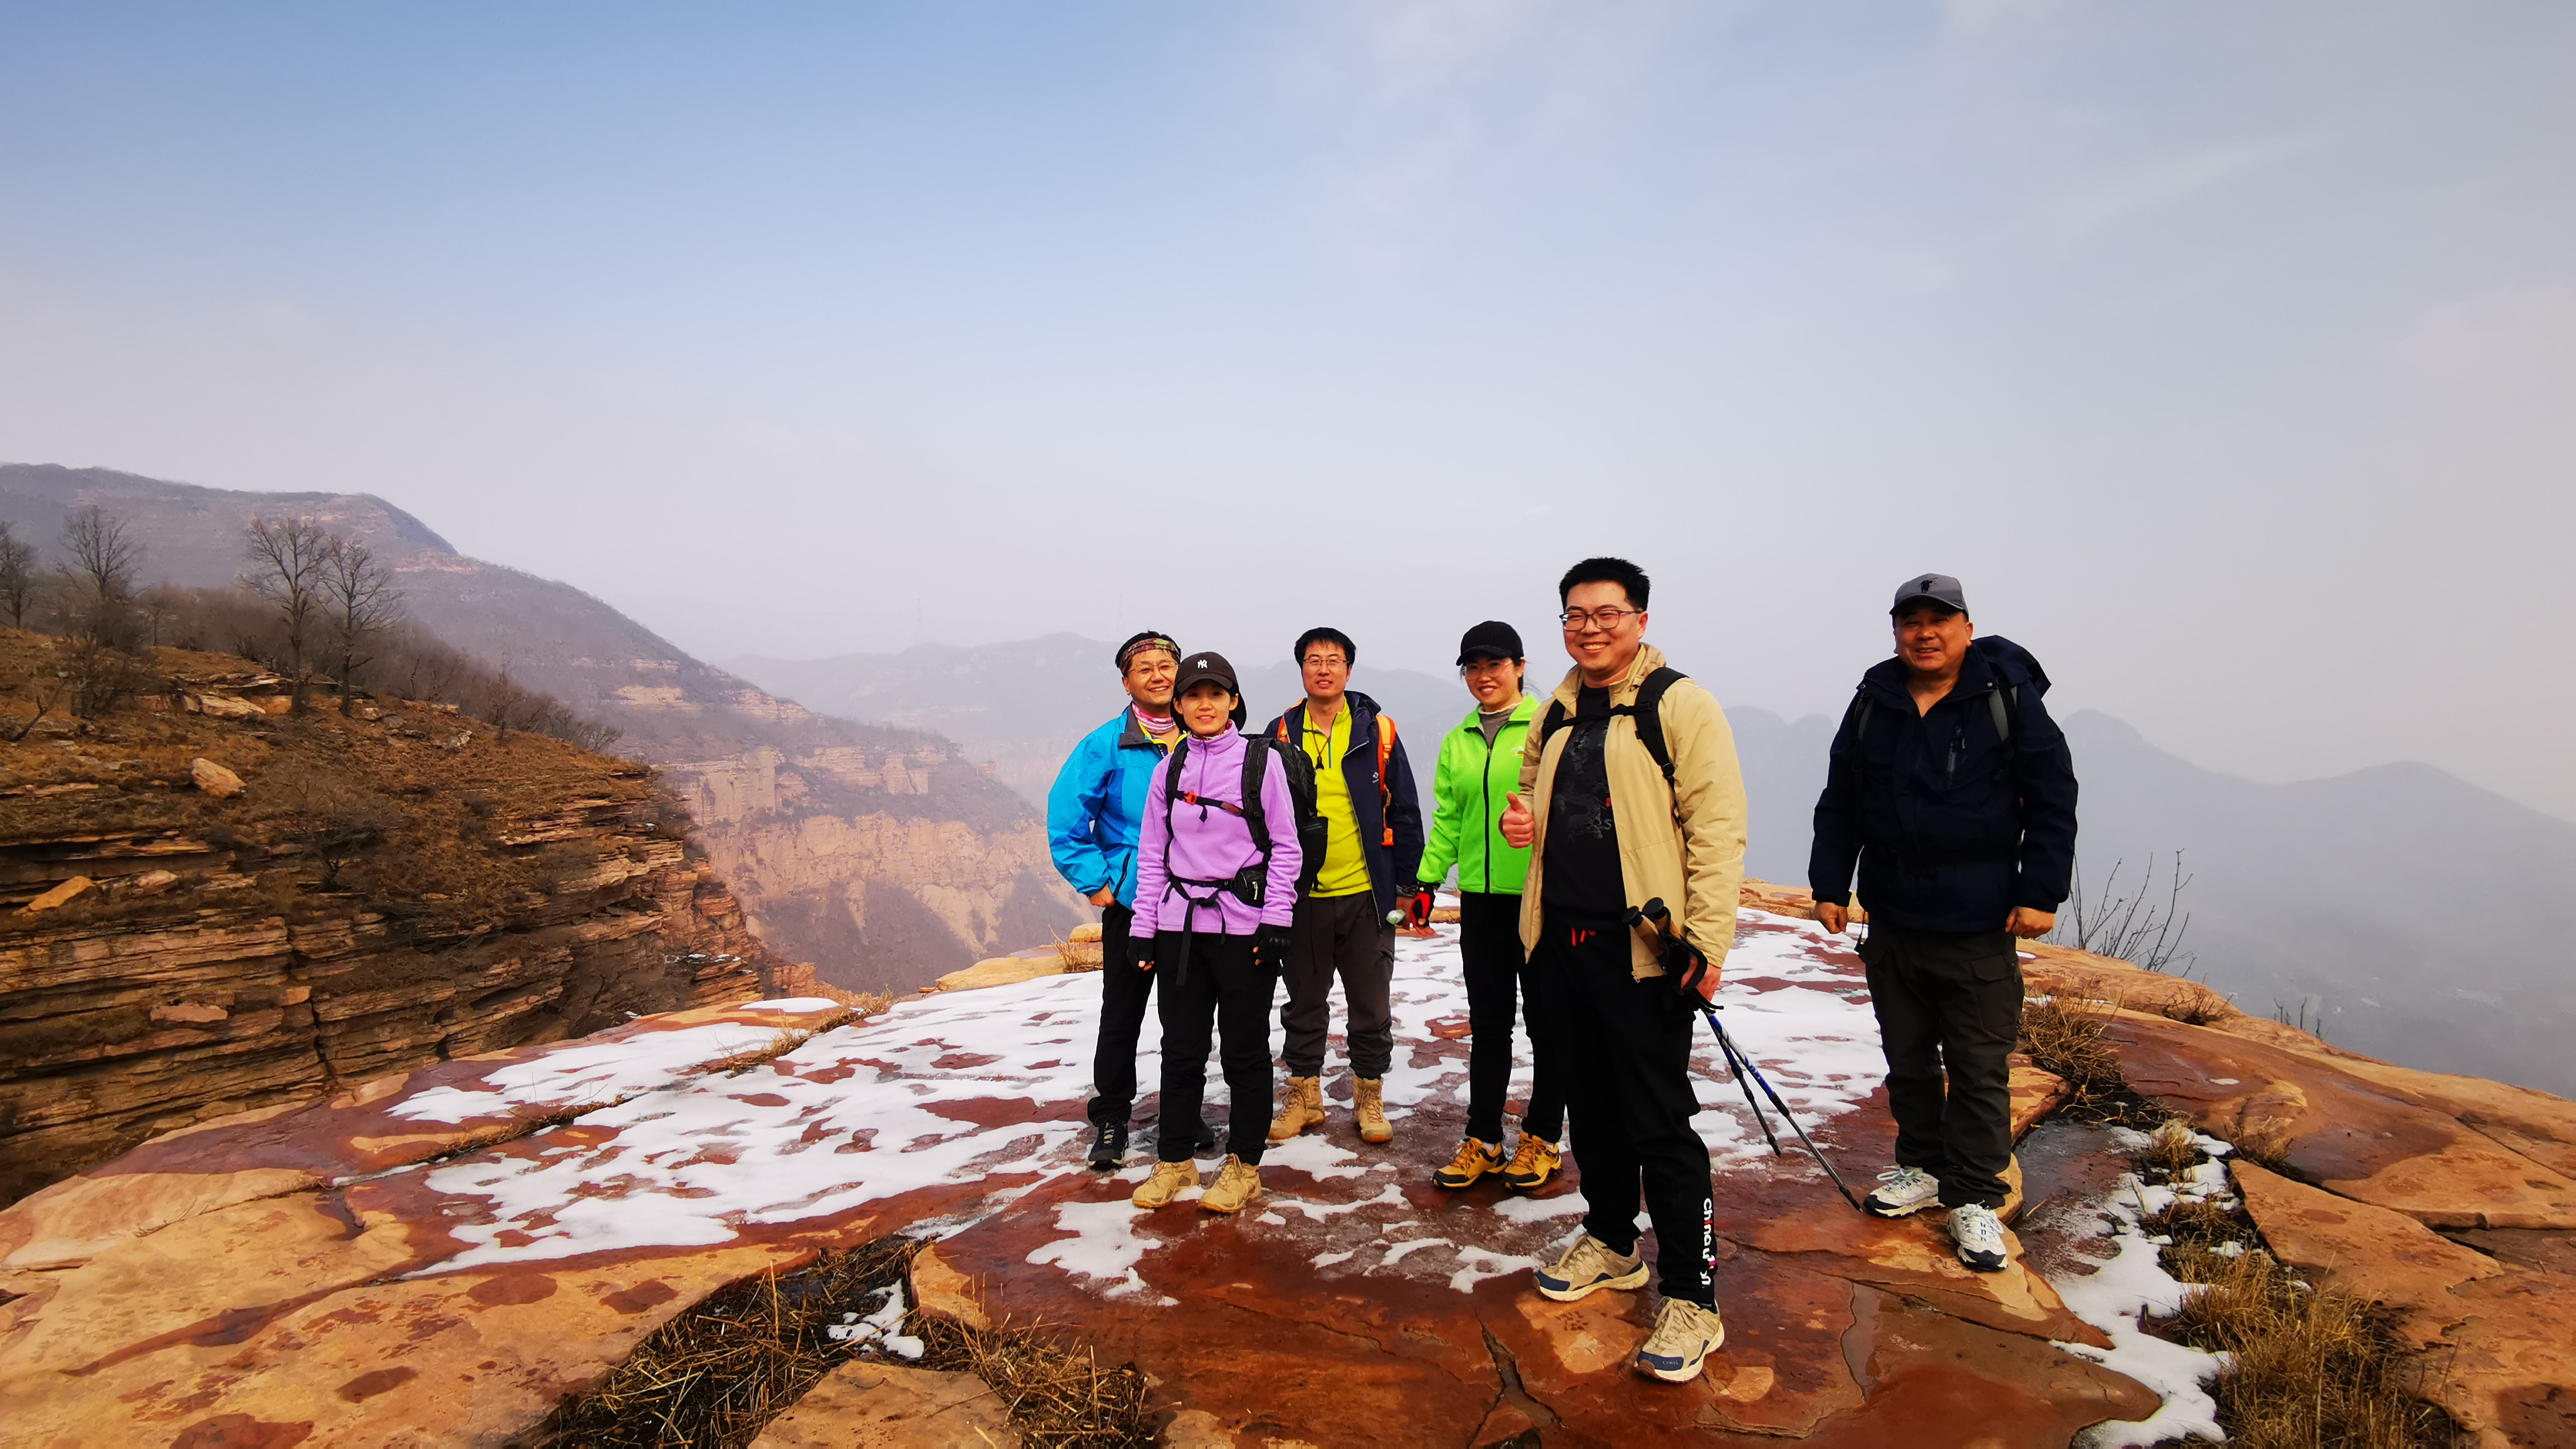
<point x="1207" y="843"/>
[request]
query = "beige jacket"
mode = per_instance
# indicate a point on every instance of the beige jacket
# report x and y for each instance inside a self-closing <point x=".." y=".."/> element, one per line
<point x="1691" y="855"/>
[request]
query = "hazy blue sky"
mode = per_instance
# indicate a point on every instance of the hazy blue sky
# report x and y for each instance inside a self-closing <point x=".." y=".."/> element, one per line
<point x="2227" y="350"/>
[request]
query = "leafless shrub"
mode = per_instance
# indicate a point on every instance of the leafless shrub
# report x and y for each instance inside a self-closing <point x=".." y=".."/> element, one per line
<point x="2129" y="927"/>
<point x="17" y="574"/>
<point x="97" y="676"/>
<point x="287" y="560"/>
<point x="332" y="819"/>
<point x="103" y="555"/>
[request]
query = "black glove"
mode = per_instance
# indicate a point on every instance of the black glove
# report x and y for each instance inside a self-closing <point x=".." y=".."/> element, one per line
<point x="1140" y="949"/>
<point x="1270" y="947"/>
<point x="1417" y="907"/>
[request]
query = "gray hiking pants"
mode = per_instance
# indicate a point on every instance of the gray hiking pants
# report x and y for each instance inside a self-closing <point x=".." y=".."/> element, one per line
<point x="1339" y="936"/>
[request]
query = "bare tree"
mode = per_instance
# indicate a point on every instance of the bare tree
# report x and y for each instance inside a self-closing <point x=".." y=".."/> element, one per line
<point x="503" y="700"/>
<point x="103" y="555"/>
<point x="359" y="603"/>
<point x="17" y="574"/>
<point x="288" y="559"/>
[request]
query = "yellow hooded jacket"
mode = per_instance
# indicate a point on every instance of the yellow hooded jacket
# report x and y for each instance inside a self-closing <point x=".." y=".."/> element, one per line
<point x="1683" y="844"/>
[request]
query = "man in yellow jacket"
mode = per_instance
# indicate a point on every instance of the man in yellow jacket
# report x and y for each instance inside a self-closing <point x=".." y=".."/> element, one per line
<point x="1630" y="792"/>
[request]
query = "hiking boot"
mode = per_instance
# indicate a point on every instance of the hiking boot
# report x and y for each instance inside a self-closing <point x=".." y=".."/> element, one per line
<point x="1533" y="1165"/>
<point x="1237" y="1183"/>
<point x="1473" y="1161"/>
<point x="1109" y="1147"/>
<point x="1979" y="1236"/>
<point x="1303" y="1111"/>
<point x="1908" y="1190"/>
<point x="1167" y="1183"/>
<point x="1368" y="1104"/>
<point x="1588" y="1267"/>
<point x="1685" y="1334"/>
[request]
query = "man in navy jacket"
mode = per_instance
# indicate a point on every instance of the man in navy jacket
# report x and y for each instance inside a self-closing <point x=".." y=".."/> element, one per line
<point x="1954" y="793"/>
<point x="1364" y="790"/>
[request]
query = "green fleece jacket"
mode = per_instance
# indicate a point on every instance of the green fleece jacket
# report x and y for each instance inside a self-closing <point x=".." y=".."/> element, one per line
<point x="1468" y="786"/>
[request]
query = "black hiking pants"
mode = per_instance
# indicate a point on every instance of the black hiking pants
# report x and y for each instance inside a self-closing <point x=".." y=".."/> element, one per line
<point x="1949" y="1011"/>
<point x="1221" y="988"/>
<point x="1625" y="1048"/>
<point x="1341" y="936"/>
<point x="1124" y="993"/>
<point x="1495" y="966"/>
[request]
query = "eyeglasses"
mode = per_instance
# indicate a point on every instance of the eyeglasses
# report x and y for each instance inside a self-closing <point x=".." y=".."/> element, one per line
<point x="1575" y="620"/>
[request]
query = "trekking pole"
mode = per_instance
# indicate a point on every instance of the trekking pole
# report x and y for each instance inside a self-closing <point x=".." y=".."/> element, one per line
<point x="1740" y="1066"/>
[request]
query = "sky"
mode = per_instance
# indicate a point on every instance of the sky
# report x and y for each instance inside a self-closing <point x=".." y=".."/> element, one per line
<point x="2227" y="352"/>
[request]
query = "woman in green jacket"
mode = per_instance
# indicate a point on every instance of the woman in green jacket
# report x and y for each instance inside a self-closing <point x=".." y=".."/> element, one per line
<point x="1479" y="767"/>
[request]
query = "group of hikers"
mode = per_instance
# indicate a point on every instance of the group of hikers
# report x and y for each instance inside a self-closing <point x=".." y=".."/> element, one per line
<point x="1597" y="836"/>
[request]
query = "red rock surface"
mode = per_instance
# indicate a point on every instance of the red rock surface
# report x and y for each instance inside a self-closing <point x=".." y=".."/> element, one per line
<point x="309" y="1276"/>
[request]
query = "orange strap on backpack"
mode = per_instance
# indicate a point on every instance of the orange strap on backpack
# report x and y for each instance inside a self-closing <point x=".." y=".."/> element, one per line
<point x="1385" y="751"/>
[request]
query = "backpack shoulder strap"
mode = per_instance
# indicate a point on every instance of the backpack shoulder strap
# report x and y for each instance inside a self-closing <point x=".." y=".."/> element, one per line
<point x="1554" y="721"/>
<point x="2003" y="717"/>
<point x="1649" y="714"/>
<point x="1385" y="787"/>
<point x="1256" y="757"/>
<point x="1171" y="792"/>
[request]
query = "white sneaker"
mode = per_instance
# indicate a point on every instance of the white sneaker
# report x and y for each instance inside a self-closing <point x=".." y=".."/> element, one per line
<point x="1685" y="1334"/>
<point x="1588" y="1267"/>
<point x="1979" y="1236"/>
<point x="1908" y="1190"/>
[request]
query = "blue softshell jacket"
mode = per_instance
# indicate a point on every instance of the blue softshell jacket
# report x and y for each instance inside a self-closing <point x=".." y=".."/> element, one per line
<point x="1950" y="828"/>
<point x="1096" y="809"/>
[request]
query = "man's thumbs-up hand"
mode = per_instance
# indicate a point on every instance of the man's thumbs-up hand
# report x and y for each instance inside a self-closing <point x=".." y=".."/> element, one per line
<point x="1519" y="827"/>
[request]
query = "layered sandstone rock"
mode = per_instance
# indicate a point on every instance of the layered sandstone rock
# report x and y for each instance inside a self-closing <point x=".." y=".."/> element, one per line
<point x="479" y="897"/>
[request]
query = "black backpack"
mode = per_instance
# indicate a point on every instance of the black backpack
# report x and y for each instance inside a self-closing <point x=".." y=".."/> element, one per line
<point x="1648" y="711"/>
<point x="1252" y="883"/>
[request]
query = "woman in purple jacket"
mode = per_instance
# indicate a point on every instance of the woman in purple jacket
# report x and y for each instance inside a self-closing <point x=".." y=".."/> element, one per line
<point x="1214" y="912"/>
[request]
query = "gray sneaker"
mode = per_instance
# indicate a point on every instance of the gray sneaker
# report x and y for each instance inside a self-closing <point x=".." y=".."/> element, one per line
<point x="1905" y="1191"/>
<point x="1979" y="1236"/>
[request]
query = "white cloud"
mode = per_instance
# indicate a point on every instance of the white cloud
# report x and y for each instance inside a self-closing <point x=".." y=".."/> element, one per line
<point x="2170" y="183"/>
<point x="2512" y="335"/>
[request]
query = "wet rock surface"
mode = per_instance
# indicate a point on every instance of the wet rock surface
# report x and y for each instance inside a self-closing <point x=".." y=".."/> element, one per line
<point x="359" y="1270"/>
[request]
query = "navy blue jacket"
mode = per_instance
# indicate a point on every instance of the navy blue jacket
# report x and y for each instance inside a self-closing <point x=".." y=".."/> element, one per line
<point x="1950" y="827"/>
<point x="1390" y="868"/>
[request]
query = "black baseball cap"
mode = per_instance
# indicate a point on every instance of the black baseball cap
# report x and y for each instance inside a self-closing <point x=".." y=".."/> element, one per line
<point x="1492" y="638"/>
<point x="1938" y="588"/>
<point x="1204" y="668"/>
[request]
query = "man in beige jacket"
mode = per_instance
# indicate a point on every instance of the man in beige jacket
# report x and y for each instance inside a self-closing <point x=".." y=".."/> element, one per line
<point x="1630" y="793"/>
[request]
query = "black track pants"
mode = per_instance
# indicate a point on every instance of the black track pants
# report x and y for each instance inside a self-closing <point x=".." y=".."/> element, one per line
<point x="1624" y="1046"/>
<point x="1124" y="993"/>
<point x="1339" y="936"/>
<point x="1225" y="990"/>
<point x="1949" y="1007"/>
<point x="1489" y="951"/>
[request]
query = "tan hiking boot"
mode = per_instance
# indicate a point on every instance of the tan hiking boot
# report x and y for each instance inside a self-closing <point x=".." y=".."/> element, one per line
<point x="1473" y="1161"/>
<point x="1588" y="1267"/>
<point x="1533" y="1165"/>
<point x="1685" y="1334"/>
<point x="1368" y="1104"/>
<point x="1170" y="1179"/>
<point x="1303" y="1111"/>
<point x="1237" y="1183"/>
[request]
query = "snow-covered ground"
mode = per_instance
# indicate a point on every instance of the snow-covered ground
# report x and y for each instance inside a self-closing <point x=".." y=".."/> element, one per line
<point x="869" y="1111"/>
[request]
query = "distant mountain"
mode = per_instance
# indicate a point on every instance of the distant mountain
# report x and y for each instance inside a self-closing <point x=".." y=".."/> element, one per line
<point x="838" y="837"/>
<point x="2349" y="890"/>
<point x="1021" y="705"/>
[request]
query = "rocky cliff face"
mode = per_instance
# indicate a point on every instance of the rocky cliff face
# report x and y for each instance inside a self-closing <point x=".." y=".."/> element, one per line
<point x="207" y="906"/>
<point x="882" y="855"/>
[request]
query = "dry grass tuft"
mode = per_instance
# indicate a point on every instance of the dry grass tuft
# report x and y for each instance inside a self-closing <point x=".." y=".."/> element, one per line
<point x="716" y="1375"/>
<point x="2065" y="1037"/>
<point x="2171" y="1149"/>
<point x="860" y="1003"/>
<point x="2311" y="1366"/>
<point x="1058" y="1397"/>
<point x="2265" y="1144"/>
<point x="787" y="1040"/>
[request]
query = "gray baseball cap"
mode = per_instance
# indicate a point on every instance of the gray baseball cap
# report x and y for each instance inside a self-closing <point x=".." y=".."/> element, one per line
<point x="1938" y="588"/>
